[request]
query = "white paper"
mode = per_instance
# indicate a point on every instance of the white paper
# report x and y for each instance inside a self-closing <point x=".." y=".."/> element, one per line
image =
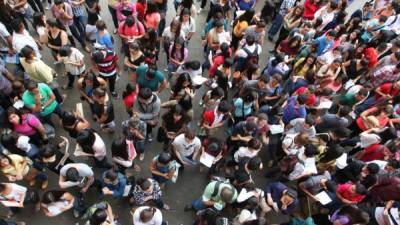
<point x="11" y="204"/>
<point x="207" y="159"/>
<point x="55" y="208"/>
<point x="224" y="37"/>
<point x="79" y="109"/>
<point x="323" y="198"/>
<point x="126" y="190"/>
<point x="341" y="162"/>
<point x="244" y="195"/>
<point x="12" y="59"/>
<point x="325" y="104"/>
<point x="198" y="80"/>
<point x="276" y="129"/>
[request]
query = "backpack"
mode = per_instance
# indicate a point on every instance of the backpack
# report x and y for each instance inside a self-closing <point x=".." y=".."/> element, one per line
<point x="252" y="57"/>
<point x="287" y="164"/>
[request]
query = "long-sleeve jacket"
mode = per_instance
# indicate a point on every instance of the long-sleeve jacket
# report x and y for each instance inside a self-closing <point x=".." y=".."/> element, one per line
<point x="148" y="111"/>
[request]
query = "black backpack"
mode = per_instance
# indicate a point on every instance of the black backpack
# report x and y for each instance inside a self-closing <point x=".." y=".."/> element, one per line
<point x="252" y="57"/>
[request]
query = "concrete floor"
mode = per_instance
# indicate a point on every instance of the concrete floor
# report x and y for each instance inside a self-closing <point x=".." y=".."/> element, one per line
<point x="190" y="183"/>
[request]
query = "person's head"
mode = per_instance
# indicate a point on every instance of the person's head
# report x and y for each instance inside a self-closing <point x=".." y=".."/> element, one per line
<point x="59" y="4"/>
<point x="125" y="2"/>
<point x="295" y="41"/>
<point x="145" y="95"/>
<point x="177" y="112"/>
<point x="86" y="137"/>
<point x="164" y="158"/>
<point x="14" y="116"/>
<point x="119" y="148"/>
<point x="145" y="185"/>
<point x="48" y="197"/>
<point x="183" y="81"/>
<point x="28" y="53"/>
<point x="289" y="196"/>
<point x="5" y="161"/>
<point x="185" y="15"/>
<point x="310" y="150"/>
<point x="223" y="107"/>
<point x="99" y="95"/>
<point x="175" y="26"/>
<point x="254" y="164"/>
<point x="39" y="19"/>
<point x="52" y="25"/>
<point x="333" y="5"/>
<point x="219" y="26"/>
<point x="32" y="87"/>
<point x="254" y="144"/>
<point x="362" y="93"/>
<point x="101" y="25"/>
<point x="150" y="73"/>
<point x="147" y="214"/>
<point x="250" y="39"/>
<point x="262" y="82"/>
<point x="98" y="56"/>
<point x="358" y="188"/>
<point x="47" y="152"/>
<point x="331" y="35"/>
<point x="192" y="65"/>
<point x="129" y="90"/>
<point x="392" y="165"/>
<point x="134" y="47"/>
<point x="98" y="217"/>
<point x="309" y="122"/>
<point x="190" y="135"/>
<point x="298" y="11"/>
<point x="226" y="194"/>
<point x="302" y="98"/>
<point x="260" y="26"/>
<point x="2" y="187"/>
<point x="382" y="19"/>
<point x="179" y="43"/>
<point x="72" y="174"/>
<point x="250" y="126"/>
<point x="247" y="15"/>
<point x="276" y="79"/>
<point x="110" y="177"/>
<point x="344" y="111"/>
<point x="302" y="138"/>
<point x="65" y="51"/>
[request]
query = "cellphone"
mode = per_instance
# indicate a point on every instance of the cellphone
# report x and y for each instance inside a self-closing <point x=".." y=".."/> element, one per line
<point x="84" y="180"/>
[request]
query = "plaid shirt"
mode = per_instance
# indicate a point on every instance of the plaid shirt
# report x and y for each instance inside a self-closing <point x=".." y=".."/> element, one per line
<point x="286" y="5"/>
<point x="385" y="74"/>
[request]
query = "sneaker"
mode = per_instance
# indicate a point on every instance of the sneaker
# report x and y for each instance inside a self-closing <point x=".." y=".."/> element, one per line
<point x="149" y="137"/>
<point x="76" y="213"/>
<point x="114" y="94"/>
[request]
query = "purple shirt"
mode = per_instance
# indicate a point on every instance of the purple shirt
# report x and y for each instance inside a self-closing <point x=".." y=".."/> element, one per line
<point x="178" y="54"/>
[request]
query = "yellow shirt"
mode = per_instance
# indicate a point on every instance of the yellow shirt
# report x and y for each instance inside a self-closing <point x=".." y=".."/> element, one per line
<point x="38" y="71"/>
<point x="17" y="161"/>
<point x="239" y="27"/>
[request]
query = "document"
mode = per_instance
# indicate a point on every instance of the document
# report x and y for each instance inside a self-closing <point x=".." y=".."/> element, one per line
<point x="276" y="129"/>
<point x="323" y="198"/>
<point x="207" y="159"/>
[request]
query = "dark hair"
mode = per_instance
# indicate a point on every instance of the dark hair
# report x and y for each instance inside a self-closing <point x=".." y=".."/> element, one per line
<point x="190" y="133"/>
<point x="373" y="168"/>
<point x="101" y="25"/>
<point x="182" y="78"/>
<point x="145" y="93"/>
<point x="31" y="85"/>
<point x="151" y="8"/>
<point x="38" y="20"/>
<point x="52" y="196"/>
<point x="164" y="158"/>
<point x="65" y="50"/>
<point x="27" y="52"/>
<point x="194" y="65"/>
<point x="58" y="2"/>
<point x="254" y="143"/>
<point x="393" y="163"/>
<point x="310" y="120"/>
<point x="144" y="183"/>
<point x="178" y="41"/>
<point x="223" y="107"/>
<point x="147" y="214"/>
<point x="111" y="175"/>
<point x="254" y="163"/>
<point x="72" y="174"/>
<point x="52" y="22"/>
<point x="332" y="153"/>
<point x="98" y="217"/>
<point x="186" y="102"/>
<point x="85" y="139"/>
<point x="302" y="98"/>
<point x="187" y="4"/>
<point x="48" y="151"/>
<point x="310" y="150"/>
<point x="247" y="16"/>
<point x="119" y="148"/>
<point x="344" y="111"/>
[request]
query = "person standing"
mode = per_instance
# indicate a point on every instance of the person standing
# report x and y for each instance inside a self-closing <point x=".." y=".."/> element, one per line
<point x="112" y="5"/>
<point x="72" y="58"/>
<point x="106" y="63"/>
<point x="278" y="21"/>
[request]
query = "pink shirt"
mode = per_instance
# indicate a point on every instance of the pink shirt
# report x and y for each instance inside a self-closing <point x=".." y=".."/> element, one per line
<point x="153" y="20"/>
<point x="136" y="30"/>
<point x="60" y="17"/>
<point x="120" y="7"/>
<point x="28" y="125"/>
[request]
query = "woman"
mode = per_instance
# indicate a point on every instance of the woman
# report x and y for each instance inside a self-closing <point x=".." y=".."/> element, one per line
<point x="40" y="25"/>
<point x="56" y="37"/>
<point x="244" y="107"/>
<point x="349" y="215"/>
<point x="123" y="153"/>
<point x="129" y="96"/>
<point x="183" y="86"/>
<point x="290" y="46"/>
<point x="310" y="8"/>
<point x="224" y="52"/>
<point x="188" y="4"/>
<point x="56" y="202"/>
<point x="141" y="8"/>
<point x="170" y="34"/>
<point x="178" y="54"/>
<point x="149" y="45"/>
<point x="20" y="194"/>
<point x="103" y="37"/>
<point x="291" y="20"/>
<point x="240" y="27"/>
<point x="130" y="30"/>
<point x="174" y="122"/>
<point x="163" y="168"/>
<point x="27" y="124"/>
<point x="103" y="110"/>
<point x="152" y="17"/>
<point x="16" y="168"/>
<point x="124" y="9"/>
<point x="374" y="117"/>
<point x="134" y="58"/>
<point x="92" y="145"/>
<point x="146" y="191"/>
<point x="74" y="64"/>
<point x="87" y="84"/>
<point x="354" y="69"/>
<point x="303" y="65"/>
<point x="73" y="123"/>
<point x="216" y="37"/>
<point x="101" y="214"/>
<point x="188" y="24"/>
<point x="53" y="159"/>
<point x="146" y="215"/>
<point x="19" y="144"/>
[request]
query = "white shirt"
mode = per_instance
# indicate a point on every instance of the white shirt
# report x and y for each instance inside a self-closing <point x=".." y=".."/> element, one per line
<point x="99" y="148"/>
<point x="16" y="192"/>
<point x="187" y="27"/>
<point x="3" y="34"/>
<point x="83" y="169"/>
<point x="243" y="152"/>
<point x="75" y="57"/>
<point x="242" y="54"/>
<point x="183" y="147"/>
<point x="156" y="220"/>
<point x="380" y="217"/>
<point x="325" y="15"/>
<point x="24" y="39"/>
<point x="392" y="24"/>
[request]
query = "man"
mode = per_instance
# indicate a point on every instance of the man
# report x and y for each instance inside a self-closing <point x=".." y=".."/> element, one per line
<point x="278" y="21"/>
<point x="352" y="99"/>
<point x="388" y="73"/>
<point x="257" y="30"/>
<point x="22" y="38"/>
<point x="62" y="11"/>
<point x="150" y="77"/>
<point x="259" y="86"/>
<point x="186" y="147"/>
<point x="135" y="130"/>
<point x="76" y="174"/>
<point x="214" y="119"/>
<point x="39" y="98"/>
<point x="242" y="133"/>
<point x="329" y="121"/>
<point x="105" y="62"/>
<point x="216" y="194"/>
<point x="103" y="110"/>
<point x="148" y="105"/>
<point x="315" y="184"/>
<point x="302" y="125"/>
<point x="281" y="198"/>
<point x="112" y="183"/>
<point x="294" y="108"/>
<point x="325" y="42"/>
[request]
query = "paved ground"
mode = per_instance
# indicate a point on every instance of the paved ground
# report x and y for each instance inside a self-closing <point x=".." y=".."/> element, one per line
<point x="190" y="183"/>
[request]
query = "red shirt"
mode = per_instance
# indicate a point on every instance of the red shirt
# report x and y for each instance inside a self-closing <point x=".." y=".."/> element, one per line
<point x="344" y="191"/>
<point x="141" y="10"/>
<point x="372" y="55"/>
<point x="309" y="10"/>
<point x="311" y="98"/>
<point x="373" y="152"/>
<point x="217" y="61"/>
<point x="129" y="100"/>
<point x="387" y="89"/>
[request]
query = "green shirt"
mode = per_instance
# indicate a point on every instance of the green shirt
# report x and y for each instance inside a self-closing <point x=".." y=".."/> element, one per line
<point x="29" y="99"/>
<point x="348" y="99"/>
<point x="154" y="83"/>
<point x="207" y="195"/>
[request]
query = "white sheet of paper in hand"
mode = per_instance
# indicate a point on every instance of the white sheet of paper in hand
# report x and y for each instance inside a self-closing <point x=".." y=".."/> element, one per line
<point x="323" y="198"/>
<point x="78" y="151"/>
<point x="276" y="129"/>
<point x="198" y="80"/>
<point x="79" y="108"/>
<point x="55" y="208"/>
<point x="207" y="159"/>
<point x="325" y="104"/>
<point x="244" y="195"/>
<point x="126" y="190"/>
<point x="11" y="204"/>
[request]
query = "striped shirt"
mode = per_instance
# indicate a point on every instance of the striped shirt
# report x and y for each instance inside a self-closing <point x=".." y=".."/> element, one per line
<point x="108" y="66"/>
<point x="77" y="10"/>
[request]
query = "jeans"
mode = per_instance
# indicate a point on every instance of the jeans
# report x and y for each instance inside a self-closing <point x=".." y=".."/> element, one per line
<point x="198" y="204"/>
<point x="276" y="25"/>
<point x="80" y="23"/>
<point x="171" y="68"/>
<point x="36" y="5"/>
<point x="47" y="119"/>
<point x="111" y="81"/>
<point x="34" y="152"/>
<point x="113" y="13"/>
<point x="139" y="146"/>
<point x="78" y="33"/>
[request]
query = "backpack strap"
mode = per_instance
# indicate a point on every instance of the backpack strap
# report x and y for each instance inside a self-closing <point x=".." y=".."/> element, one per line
<point x="216" y="189"/>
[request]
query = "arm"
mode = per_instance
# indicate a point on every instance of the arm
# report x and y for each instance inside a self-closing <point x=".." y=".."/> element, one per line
<point x="154" y="170"/>
<point x="163" y="86"/>
<point x="304" y="189"/>
<point x="66" y="184"/>
<point x="119" y="192"/>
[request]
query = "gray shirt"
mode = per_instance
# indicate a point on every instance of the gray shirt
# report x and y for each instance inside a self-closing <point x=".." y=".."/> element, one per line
<point x="313" y="184"/>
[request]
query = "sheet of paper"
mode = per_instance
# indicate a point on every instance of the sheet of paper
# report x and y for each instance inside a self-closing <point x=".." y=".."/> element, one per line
<point x="276" y="129"/>
<point x="323" y="198"/>
<point x="244" y="195"/>
<point x="126" y="190"/>
<point x="78" y="151"/>
<point x="341" y="162"/>
<point x="198" y="80"/>
<point x="325" y="104"/>
<point x="55" y="208"/>
<point x="79" y="109"/>
<point x="10" y="204"/>
<point x="207" y="159"/>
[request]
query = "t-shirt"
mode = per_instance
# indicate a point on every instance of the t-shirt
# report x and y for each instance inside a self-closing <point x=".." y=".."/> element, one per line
<point x="156" y="220"/>
<point x="298" y="126"/>
<point x="153" y="20"/>
<point x="91" y="31"/>
<point x="242" y="109"/>
<point x="313" y="184"/>
<point x="75" y="57"/>
<point x="154" y="83"/>
<point x="208" y="192"/>
<point x="21" y="40"/>
<point x="189" y="26"/>
<point x="60" y="15"/>
<point x="83" y="169"/>
<point x="15" y="194"/>
<point x="291" y="111"/>
<point x="28" y="126"/>
<point x="243" y="152"/>
<point x="344" y="190"/>
<point x="105" y="40"/>
<point x="45" y="92"/>
<point x="99" y="148"/>
<point x="38" y="71"/>
<point x="183" y="147"/>
<point x="16" y="160"/>
<point x="135" y="30"/>
<point x="108" y="66"/>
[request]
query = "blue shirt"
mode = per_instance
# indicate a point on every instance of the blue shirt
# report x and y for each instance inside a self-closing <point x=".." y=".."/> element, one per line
<point x="118" y="189"/>
<point x="323" y="46"/>
<point x="276" y="190"/>
<point x="105" y="40"/>
<point x="291" y="112"/>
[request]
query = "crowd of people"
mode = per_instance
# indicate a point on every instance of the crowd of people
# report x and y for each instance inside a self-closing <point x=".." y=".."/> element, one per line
<point x="320" y="118"/>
